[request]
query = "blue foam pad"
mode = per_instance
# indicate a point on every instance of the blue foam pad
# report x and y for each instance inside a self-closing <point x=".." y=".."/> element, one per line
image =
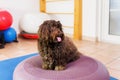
<point x="111" y="78"/>
<point x="7" y="67"/>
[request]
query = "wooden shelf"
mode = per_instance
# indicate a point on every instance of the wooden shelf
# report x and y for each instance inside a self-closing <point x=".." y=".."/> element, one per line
<point x="60" y="13"/>
<point x="56" y="0"/>
<point x="68" y="26"/>
<point x="77" y="15"/>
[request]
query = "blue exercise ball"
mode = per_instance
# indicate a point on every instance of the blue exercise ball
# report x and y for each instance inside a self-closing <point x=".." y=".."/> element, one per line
<point x="10" y="35"/>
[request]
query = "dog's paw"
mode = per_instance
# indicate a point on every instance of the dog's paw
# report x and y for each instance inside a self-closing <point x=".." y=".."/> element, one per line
<point x="45" y="66"/>
<point x="58" y="68"/>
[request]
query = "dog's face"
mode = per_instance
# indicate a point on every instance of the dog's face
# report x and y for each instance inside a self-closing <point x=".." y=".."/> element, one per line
<point x="51" y="31"/>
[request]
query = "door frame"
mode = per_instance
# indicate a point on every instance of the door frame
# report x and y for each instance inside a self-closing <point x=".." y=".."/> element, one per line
<point x="103" y="23"/>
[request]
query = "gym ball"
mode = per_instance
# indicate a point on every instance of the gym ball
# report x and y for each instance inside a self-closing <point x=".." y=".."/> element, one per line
<point x="30" y="22"/>
<point x="5" y="19"/>
<point x="84" y="68"/>
<point x="10" y="35"/>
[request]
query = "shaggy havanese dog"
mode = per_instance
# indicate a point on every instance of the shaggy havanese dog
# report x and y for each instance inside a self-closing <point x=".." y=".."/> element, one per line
<point x="55" y="48"/>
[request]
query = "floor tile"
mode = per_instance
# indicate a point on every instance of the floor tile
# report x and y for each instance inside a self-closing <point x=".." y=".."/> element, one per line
<point x="115" y="64"/>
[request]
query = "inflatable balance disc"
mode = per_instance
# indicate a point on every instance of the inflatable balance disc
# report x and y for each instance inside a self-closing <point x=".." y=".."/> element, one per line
<point x="84" y="68"/>
<point x="29" y="35"/>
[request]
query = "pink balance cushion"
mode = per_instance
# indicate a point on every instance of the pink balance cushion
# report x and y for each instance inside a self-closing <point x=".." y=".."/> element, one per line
<point x="84" y="68"/>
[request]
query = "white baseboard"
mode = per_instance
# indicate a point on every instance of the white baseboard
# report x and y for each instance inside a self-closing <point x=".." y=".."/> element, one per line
<point x="84" y="37"/>
<point x="89" y="38"/>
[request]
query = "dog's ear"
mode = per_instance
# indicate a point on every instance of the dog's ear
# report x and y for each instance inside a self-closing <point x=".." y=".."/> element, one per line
<point x="43" y="31"/>
<point x="59" y="24"/>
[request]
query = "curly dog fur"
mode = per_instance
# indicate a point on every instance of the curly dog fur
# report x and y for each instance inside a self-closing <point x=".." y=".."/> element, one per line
<point x="55" y="48"/>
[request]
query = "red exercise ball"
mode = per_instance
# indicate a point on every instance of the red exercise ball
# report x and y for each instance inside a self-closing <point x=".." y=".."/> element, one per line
<point x="5" y="19"/>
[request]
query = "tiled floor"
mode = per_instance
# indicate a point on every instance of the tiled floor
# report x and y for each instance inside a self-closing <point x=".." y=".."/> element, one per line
<point x="108" y="54"/>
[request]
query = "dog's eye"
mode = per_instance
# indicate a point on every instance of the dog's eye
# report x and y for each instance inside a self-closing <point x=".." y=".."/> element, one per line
<point x="50" y="31"/>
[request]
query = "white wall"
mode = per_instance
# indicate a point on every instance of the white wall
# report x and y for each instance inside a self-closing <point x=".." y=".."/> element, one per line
<point x="18" y="8"/>
<point x="89" y="18"/>
<point x="57" y="7"/>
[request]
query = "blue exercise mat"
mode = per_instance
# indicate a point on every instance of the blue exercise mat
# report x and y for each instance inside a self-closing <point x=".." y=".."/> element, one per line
<point x="7" y="67"/>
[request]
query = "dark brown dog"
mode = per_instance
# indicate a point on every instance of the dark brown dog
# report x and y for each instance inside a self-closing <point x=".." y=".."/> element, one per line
<point x="55" y="48"/>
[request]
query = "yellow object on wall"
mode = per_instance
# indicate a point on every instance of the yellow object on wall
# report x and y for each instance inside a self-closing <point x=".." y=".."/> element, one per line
<point x="77" y="16"/>
<point x="43" y="6"/>
<point x="78" y="19"/>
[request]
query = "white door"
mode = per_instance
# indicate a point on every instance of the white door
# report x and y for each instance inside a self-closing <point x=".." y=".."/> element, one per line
<point x="110" y="21"/>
